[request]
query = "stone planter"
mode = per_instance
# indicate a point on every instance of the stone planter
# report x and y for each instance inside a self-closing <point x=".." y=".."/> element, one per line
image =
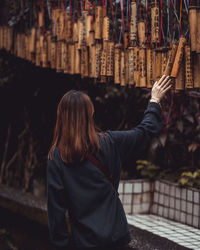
<point x="176" y="203"/>
<point x="136" y="195"/>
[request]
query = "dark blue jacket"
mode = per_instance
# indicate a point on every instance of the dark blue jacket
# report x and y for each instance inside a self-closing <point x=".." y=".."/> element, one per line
<point x="96" y="213"/>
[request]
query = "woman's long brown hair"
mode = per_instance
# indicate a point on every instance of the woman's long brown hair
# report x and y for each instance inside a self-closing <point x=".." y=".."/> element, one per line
<point x="75" y="133"/>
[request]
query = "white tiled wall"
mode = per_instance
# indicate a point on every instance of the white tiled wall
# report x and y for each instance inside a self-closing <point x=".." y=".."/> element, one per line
<point x="161" y="198"/>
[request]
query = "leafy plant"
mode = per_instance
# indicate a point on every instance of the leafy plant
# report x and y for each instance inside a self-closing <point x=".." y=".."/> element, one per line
<point x="190" y="179"/>
<point x="147" y="169"/>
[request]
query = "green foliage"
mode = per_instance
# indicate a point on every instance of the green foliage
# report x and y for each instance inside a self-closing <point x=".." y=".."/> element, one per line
<point x="147" y="169"/>
<point x="190" y="179"/>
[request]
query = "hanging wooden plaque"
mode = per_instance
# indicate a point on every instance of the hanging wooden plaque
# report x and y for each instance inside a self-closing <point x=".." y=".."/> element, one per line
<point x="150" y="79"/>
<point x="158" y="63"/>
<point x="32" y="40"/>
<point x="155" y="22"/>
<point x="141" y="32"/>
<point x="84" y="61"/>
<point x="193" y="26"/>
<point x="104" y="58"/>
<point x="98" y="22"/>
<point x="75" y="32"/>
<point x="197" y="70"/>
<point x="133" y="26"/>
<point x="91" y="38"/>
<point x="89" y="28"/>
<point x="92" y="60"/>
<point x="110" y="59"/>
<point x="117" y="63"/>
<point x="77" y="59"/>
<point x="53" y="54"/>
<point x="189" y="80"/>
<point x="98" y="51"/>
<point x="136" y="67"/>
<point x="180" y="80"/>
<point x="179" y="56"/>
<point x="143" y="72"/>
<point x="66" y="59"/>
<point x="131" y="65"/>
<point x="106" y="28"/>
<point x="171" y="58"/>
<point x="122" y="68"/>
<point x="198" y="31"/>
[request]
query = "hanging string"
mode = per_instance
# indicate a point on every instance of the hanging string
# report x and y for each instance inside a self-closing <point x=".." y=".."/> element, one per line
<point x="112" y="10"/>
<point x="180" y="16"/>
<point x="140" y="10"/>
<point x="168" y="28"/>
<point x="176" y="17"/>
<point x="127" y="6"/>
<point x="161" y="6"/>
<point x="122" y="12"/>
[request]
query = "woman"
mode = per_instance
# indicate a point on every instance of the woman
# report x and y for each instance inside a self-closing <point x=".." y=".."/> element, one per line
<point x="75" y="185"/>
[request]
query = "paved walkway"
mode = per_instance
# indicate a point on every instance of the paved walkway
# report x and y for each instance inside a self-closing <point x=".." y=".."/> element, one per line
<point x="181" y="234"/>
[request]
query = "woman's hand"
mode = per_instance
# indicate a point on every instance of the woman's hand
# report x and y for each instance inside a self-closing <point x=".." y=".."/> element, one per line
<point x="160" y="88"/>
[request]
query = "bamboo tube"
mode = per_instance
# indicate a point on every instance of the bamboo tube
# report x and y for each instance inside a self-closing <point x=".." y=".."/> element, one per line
<point x="58" y="57"/>
<point x="180" y="81"/>
<point x="53" y="53"/>
<point x="171" y="58"/>
<point x="164" y="60"/>
<point x="98" y="22"/>
<point x="27" y="56"/>
<point x="106" y="28"/>
<point x="71" y="62"/>
<point x="44" y="53"/>
<point x="62" y="25"/>
<point x="143" y="72"/>
<point x="136" y="66"/>
<point x="66" y="59"/>
<point x="179" y="56"/>
<point x="75" y="32"/>
<point x="197" y="71"/>
<point x="48" y="48"/>
<point x="40" y="19"/>
<point x="69" y="31"/>
<point x="158" y="63"/>
<point x="193" y="26"/>
<point x="117" y="63"/>
<point x="133" y="27"/>
<point x="198" y="31"/>
<point x="104" y="58"/>
<point x="122" y="69"/>
<point x="92" y="60"/>
<point x="131" y="65"/>
<point x="32" y="40"/>
<point x="155" y="19"/>
<point x="141" y="32"/>
<point x="91" y="38"/>
<point x="77" y="57"/>
<point x="150" y="79"/>
<point x="126" y="39"/>
<point x="89" y="27"/>
<point x="110" y="59"/>
<point x="189" y="80"/>
<point x="38" y="58"/>
<point x="98" y="51"/>
<point x="126" y="66"/>
<point x="84" y="61"/>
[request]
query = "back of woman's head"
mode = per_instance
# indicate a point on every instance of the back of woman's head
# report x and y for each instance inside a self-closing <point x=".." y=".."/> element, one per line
<point x="75" y="132"/>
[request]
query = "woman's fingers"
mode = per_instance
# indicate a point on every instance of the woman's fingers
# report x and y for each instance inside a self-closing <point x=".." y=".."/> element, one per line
<point x="165" y="81"/>
<point x="161" y="79"/>
<point x="166" y="84"/>
<point x="166" y="89"/>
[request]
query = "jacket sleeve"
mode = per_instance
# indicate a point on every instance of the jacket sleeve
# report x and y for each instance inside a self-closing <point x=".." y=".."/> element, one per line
<point x="56" y="207"/>
<point x="135" y="141"/>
